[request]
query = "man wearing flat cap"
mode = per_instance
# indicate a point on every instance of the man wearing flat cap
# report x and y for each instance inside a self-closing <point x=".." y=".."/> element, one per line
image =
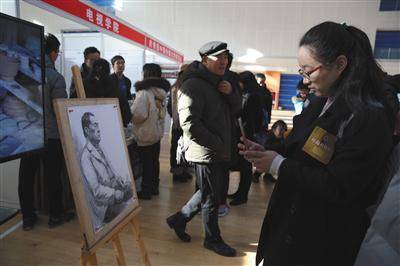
<point x="205" y="104"/>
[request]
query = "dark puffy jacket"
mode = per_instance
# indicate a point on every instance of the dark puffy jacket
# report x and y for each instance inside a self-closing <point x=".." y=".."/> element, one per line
<point x="205" y="115"/>
<point x="123" y="97"/>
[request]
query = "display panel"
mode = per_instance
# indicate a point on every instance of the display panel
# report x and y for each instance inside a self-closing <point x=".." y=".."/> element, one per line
<point x="21" y="87"/>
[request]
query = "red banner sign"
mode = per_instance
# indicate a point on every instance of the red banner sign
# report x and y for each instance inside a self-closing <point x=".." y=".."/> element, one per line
<point x="100" y="19"/>
<point x="162" y="49"/>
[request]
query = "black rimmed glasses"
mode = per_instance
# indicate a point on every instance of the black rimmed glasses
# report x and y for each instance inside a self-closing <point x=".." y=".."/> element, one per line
<point x="307" y="74"/>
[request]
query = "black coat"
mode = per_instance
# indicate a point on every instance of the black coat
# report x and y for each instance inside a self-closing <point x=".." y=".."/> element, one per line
<point x="85" y="72"/>
<point x="316" y="214"/>
<point x="122" y="97"/>
<point x="272" y="143"/>
<point x="266" y="97"/>
<point x="108" y="88"/>
<point x="234" y="80"/>
<point x="252" y="114"/>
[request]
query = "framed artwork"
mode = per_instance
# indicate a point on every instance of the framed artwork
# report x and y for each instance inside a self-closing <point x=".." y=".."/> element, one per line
<point x="98" y="164"/>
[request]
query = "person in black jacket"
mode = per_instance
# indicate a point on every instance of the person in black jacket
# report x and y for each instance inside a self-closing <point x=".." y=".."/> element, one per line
<point x="53" y="157"/>
<point x="122" y="86"/>
<point x="252" y="117"/>
<point x="274" y="141"/>
<point x="266" y="103"/>
<point x="205" y="104"/>
<point x="235" y="163"/>
<point x="90" y="54"/>
<point x="97" y="84"/>
<point x="179" y="168"/>
<point x="331" y="170"/>
<point x="275" y="137"/>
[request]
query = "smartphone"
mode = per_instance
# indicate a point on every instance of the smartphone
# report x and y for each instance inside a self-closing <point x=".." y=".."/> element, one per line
<point x="242" y="131"/>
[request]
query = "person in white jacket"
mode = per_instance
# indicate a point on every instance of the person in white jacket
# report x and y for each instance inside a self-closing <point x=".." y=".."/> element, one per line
<point x="148" y="118"/>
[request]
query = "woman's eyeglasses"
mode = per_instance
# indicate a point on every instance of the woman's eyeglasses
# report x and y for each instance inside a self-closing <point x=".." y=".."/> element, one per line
<point x="307" y="74"/>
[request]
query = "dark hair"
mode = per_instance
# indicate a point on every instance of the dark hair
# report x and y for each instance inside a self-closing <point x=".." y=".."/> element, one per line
<point x="301" y="86"/>
<point x="51" y="43"/>
<point x="86" y="121"/>
<point x="179" y="80"/>
<point x="100" y="69"/>
<point x="279" y="123"/>
<point x="90" y="50"/>
<point x="360" y="84"/>
<point x="151" y="70"/>
<point x="115" y="58"/>
<point x="230" y="60"/>
<point x="248" y="80"/>
<point x="260" y="76"/>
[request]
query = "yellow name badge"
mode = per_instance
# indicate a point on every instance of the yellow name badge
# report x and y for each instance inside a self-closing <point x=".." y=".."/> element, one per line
<point x="320" y="145"/>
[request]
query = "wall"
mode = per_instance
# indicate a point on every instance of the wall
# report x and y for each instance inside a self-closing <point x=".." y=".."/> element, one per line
<point x="8" y="7"/>
<point x="52" y="23"/>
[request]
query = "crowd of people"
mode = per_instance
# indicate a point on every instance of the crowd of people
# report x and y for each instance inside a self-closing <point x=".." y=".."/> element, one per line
<point x="327" y="170"/>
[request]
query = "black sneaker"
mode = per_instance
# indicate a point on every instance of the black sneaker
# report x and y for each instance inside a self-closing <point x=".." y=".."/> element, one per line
<point x="270" y="178"/>
<point x="237" y="201"/>
<point x="234" y="195"/>
<point x="187" y="175"/>
<point x="67" y="216"/>
<point x="144" y="195"/>
<point x="178" y="223"/>
<point x="256" y="177"/>
<point x="29" y="222"/>
<point x="220" y="247"/>
<point x="55" y="221"/>
<point x="179" y="178"/>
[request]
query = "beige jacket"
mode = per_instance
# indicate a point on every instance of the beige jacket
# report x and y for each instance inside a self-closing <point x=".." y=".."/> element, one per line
<point x="148" y="116"/>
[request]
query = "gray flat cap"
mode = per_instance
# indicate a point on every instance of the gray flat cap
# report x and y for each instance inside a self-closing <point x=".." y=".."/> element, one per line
<point x="213" y="48"/>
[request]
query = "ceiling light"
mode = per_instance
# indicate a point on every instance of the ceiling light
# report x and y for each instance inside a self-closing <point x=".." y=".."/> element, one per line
<point x="251" y="56"/>
<point x="118" y="4"/>
<point x="255" y="68"/>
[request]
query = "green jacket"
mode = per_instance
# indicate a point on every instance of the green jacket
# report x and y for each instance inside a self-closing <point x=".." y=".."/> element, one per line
<point x="205" y="116"/>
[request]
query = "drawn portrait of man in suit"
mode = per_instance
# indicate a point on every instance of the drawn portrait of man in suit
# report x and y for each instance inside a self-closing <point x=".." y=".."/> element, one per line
<point x="108" y="193"/>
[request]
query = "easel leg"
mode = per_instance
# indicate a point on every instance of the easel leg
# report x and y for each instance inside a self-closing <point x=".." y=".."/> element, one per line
<point x="87" y="257"/>
<point x="136" y="232"/>
<point x="119" y="254"/>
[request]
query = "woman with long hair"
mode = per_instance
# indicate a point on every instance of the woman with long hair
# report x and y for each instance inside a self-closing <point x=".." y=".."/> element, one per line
<point x="331" y="170"/>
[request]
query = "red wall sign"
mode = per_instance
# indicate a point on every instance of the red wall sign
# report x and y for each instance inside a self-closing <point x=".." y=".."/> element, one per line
<point x="162" y="49"/>
<point x="100" y="19"/>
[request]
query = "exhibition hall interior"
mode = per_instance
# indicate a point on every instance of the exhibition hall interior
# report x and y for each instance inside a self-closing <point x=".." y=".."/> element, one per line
<point x="199" y="132"/>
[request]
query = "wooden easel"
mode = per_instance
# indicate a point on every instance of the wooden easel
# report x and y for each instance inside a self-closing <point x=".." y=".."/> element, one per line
<point x="88" y="254"/>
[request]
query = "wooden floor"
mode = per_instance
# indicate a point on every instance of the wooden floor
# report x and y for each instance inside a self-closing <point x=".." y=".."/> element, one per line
<point x="61" y="246"/>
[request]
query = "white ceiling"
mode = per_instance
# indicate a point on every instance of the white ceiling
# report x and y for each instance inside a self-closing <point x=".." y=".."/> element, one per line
<point x="271" y="27"/>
